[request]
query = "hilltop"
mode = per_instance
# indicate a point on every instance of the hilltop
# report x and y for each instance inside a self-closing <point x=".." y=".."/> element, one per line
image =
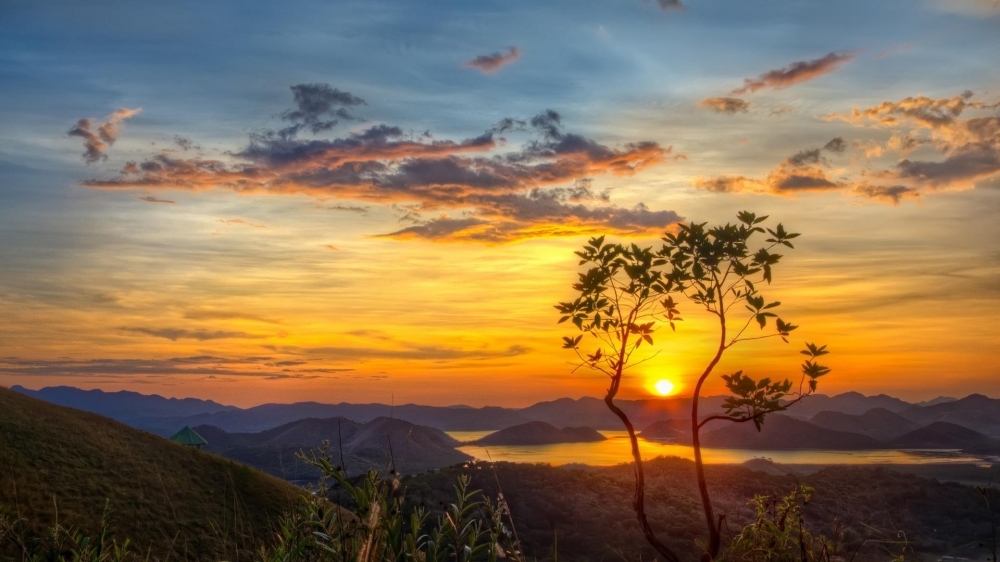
<point x="171" y="498"/>
<point x="540" y="433"/>
<point x="358" y="446"/>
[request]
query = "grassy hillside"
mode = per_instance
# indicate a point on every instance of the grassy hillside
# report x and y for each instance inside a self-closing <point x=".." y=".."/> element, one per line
<point x="60" y="462"/>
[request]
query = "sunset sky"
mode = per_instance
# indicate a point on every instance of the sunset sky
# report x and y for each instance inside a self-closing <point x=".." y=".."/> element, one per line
<point x="379" y="201"/>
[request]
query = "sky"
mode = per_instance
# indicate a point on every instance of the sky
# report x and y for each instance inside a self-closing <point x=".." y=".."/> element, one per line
<point x="379" y="201"/>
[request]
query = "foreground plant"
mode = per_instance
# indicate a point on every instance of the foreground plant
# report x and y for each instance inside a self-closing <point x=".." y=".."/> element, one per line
<point x="627" y="290"/>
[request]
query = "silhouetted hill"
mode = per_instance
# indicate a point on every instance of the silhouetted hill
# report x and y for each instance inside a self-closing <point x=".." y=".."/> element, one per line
<point x="975" y="411"/>
<point x="853" y="403"/>
<point x="592" y="412"/>
<point x="877" y="423"/>
<point x="163" y="495"/>
<point x="785" y="433"/>
<point x="944" y="435"/>
<point x="125" y="406"/>
<point x="670" y="431"/>
<point x="358" y="446"/>
<point x="540" y="433"/>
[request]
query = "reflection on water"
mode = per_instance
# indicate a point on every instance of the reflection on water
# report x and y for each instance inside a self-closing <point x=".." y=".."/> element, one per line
<point x="616" y="450"/>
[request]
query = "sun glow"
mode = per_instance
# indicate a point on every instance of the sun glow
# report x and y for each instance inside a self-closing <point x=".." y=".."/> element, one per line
<point x="663" y="387"/>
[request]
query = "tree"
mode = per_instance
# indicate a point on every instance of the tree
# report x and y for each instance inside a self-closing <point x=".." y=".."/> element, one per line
<point x="627" y="290"/>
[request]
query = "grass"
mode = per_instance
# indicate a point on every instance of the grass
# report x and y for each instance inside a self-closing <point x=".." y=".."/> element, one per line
<point x="59" y="465"/>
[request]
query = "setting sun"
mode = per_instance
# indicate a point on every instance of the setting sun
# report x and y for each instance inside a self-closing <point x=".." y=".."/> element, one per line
<point x="664" y="387"/>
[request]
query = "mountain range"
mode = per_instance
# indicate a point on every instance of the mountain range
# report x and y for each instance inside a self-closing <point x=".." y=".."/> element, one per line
<point x="845" y="421"/>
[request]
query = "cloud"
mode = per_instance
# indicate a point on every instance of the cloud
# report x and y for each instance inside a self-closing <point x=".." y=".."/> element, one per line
<point x="184" y="143"/>
<point x="970" y="146"/>
<point x="795" y="73"/>
<point x="801" y="172"/>
<point x="242" y="222"/>
<point x="97" y="138"/>
<point x="485" y="178"/>
<point x="893" y="193"/>
<point x="491" y="63"/>
<point x="217" y="314"/>
<point x="417" y="352"/>
<point x="349" y="209"/>
<point x="174" y="334"/>
<point x="151" y="199"/>
<point x="319" y="108"/>
<point x="668" y="5"/>
<point x="731" y="106"/>
<point x="205" y="366"/>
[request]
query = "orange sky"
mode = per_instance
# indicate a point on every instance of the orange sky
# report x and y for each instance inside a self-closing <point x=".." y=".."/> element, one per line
<point x="279" y="227"/>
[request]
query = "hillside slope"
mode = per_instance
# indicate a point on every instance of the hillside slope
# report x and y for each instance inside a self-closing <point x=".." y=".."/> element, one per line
<point x="414" y="448"/>
<point x="181" y="502"/>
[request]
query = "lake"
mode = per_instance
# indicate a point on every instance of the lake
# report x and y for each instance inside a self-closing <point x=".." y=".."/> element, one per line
<point x="616" y="450"/>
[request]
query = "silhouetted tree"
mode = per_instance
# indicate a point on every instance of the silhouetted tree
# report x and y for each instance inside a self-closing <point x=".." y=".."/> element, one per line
<point x="627" y="290"/>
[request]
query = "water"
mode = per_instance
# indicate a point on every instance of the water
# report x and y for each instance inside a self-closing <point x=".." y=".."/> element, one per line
<point x="616" y="450"/>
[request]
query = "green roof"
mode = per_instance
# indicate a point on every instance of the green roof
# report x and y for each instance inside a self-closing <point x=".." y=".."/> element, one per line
<point x="188" y="436"/>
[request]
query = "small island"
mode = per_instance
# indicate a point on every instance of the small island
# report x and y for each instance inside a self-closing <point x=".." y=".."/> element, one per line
<point x="540" y="433"/>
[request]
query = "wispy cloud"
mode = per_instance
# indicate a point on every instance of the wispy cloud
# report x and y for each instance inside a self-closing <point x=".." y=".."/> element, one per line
<point x="98" y="137"/>
<point x="795" y="73"/>
<point x="174" y="334"/>
<point x="493" y="62"/>
<point x="151" y="199"/>
<point x="728" y="105"/>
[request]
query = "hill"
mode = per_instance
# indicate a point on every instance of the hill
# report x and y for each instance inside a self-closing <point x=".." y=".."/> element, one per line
<point x="944" y="435"/>
<point x="174" y="499"/>
<point x="975" y="411"/>
<point x="877" y="423"/>
<point x="853" y="403"/>
<point x="540" y="433"/>
<point x="358" y="446"/>
<point x="669" y="431"/>
<point x="786" y="433"/>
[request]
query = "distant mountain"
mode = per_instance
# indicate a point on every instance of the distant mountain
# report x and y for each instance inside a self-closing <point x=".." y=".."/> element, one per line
<point x="944" y="435"/>
<point x="358" y="446"/>
<point x="975" y="411"/>
<point x="877" y="423"/>
<point x="593" y="412"/>
<point x="936" y="401"/>
<point x="670" y="431"/>
<point x="853" y="403"/>
<point x="125" y="406"/>
<point x="540" y="433"/>
<point x="785" y="433"/>
<point x="164" y="496"/>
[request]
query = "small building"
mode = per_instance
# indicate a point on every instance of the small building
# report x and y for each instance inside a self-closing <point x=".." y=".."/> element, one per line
<point x="189" y="437"/>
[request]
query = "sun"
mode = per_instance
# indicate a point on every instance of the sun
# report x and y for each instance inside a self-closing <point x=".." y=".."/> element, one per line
<point x="663" y="387"/>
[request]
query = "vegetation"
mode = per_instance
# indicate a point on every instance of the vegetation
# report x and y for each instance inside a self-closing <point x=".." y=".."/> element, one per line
<point x="627" y="289"/>
<point x="73" y="471"/>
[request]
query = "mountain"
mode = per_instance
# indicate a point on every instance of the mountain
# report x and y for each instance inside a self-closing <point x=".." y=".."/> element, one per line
<point x="593" y="412"/>
<point x="877" y="423"/>
<point x="936" y="401"/>
<point x="944" y="435"/>
<point x="670" y="431"/>
<point x="540" y="433"/>
<point x="786" y="433"/>
<point x="125" y="406"/>
<point x="164" y="496"/>
<point x="358" y="446"/>
<point x="853" y="403"/>
<point x="975" y="411"/>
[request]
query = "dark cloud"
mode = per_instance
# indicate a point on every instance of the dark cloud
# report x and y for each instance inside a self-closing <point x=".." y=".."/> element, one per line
<point x="184" y="143"/>
<point x="731" y="106"/>
<point x="795" y="73"/>
<point x="151" y="199"/>
<point x="349" y="209"/>
<point x="175" y="334"/>
<point x="216" y="314"/>
<point x="205" y="366"/>
<point x="96" y="140"/>
<point x="668" y="5"/>
<point x="493" y="62"/>
<point x="804" y="157"/>
<point x="418" y="353"/>
<point x="836" y="145"/>
<point x="515" y="191"/>
<point x="319" y="107"/>
<point x="968" y="164"/>
<point x="891" y="193"/>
